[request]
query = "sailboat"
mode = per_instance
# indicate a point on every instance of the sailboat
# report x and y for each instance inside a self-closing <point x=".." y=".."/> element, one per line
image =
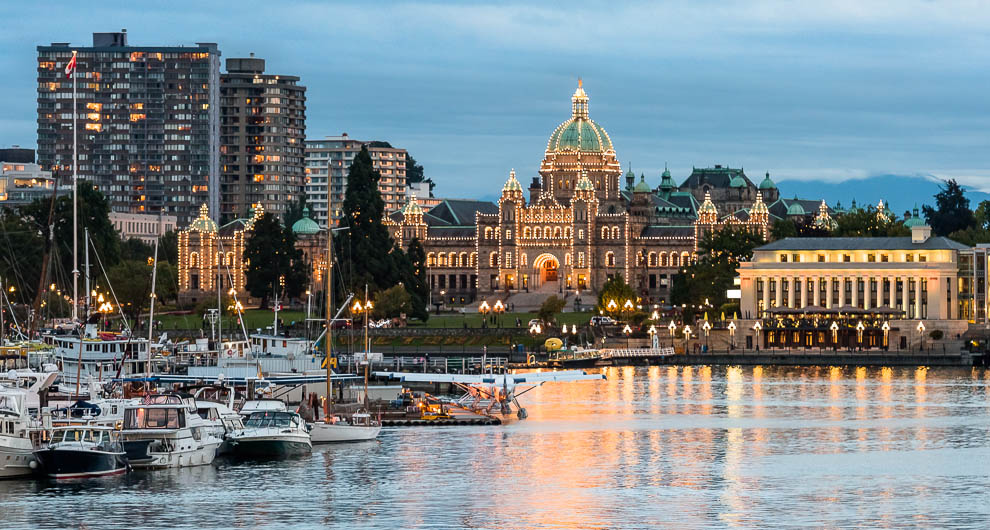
<point x="361" y="427"/>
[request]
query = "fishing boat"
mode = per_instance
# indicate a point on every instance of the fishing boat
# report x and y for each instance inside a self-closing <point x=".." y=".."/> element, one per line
<point x="19" y="402"/>
<point x="271" y="434"/>
<point x="82" y="451"/>
<point x="165" y="431"/>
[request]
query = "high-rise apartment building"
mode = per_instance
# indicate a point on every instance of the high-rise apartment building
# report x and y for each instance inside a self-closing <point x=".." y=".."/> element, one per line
<point x="148" y="122"/>
<point x="331" y="158"/>
<point x="262" y="132"/>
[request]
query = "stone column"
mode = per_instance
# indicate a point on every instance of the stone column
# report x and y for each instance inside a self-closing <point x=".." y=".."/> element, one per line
<point x="867" y="293"/>
<point x="777" y="293"/>
<point x="855" y="291"/>
<point x="842" y="291"/>
<point x="904" y="295"/>
<point x="917" y="297"/>
<point x="816" y="294"/>
<point x="766" y="296"/>
<point x="804" y="292"/>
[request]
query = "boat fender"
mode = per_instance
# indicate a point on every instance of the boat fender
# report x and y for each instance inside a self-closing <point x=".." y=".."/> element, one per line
<point x="33" y="464"/>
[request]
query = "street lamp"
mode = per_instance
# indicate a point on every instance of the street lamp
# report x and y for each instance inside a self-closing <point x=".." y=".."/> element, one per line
<point x="672" y="327"/>
<point x="627" y="330"/>
<point x="484" y="308"/>
<point x="612" y="306"/>
<point x="758" y="327"/>
<point x="859" y="333"/>
<point x="732" y="335"/>
<point x="835" y="334"/>
<point x="653" y="336"/>
<point x="499" y="308"/>
<point x="921" y="334"/>
<point x="886" y="330"/>
<point x="687" y="337"/>
<point x="628" y="306"/>
<point x="707" y="328"/>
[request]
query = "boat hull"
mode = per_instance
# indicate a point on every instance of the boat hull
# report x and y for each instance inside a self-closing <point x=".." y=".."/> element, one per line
<point x="148" y="454"/>
<point x="341" y="432"/>
<point x="84" y="463"/>
<point x="15" y="460"/>
<point x="270" y="447"/>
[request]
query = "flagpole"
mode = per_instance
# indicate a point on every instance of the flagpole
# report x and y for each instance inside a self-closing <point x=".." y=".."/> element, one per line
<point x="75" y="201"/>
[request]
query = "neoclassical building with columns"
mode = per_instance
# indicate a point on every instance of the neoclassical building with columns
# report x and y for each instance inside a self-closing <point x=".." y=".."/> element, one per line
<point x="576" y="224"/>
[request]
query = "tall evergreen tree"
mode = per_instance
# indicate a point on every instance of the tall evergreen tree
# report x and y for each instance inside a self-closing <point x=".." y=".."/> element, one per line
<point x="419" y="289"/>
<point x="414" y="171"/>
<point x="294" y="212"/>
<point x="951" y="212"/>
<point x="274" y="264"/>
<point x="367" y="251"/>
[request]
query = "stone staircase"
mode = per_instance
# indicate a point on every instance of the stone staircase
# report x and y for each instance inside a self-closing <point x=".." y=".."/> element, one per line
<point x="531" y="301"/>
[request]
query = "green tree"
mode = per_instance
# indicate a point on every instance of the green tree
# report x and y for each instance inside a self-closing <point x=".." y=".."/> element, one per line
<point x="868" y="223"/>
<point x="549" y="309"/>
<point x="712" y="275"/>
<point x="130" y="281"/>
<point x="414" y="171"/>
<point x="168" y="247"/>
<point x="135" y="249"/>
<point x="21" y="253"/>
<point x="94" y="214"/>
<point x="294" y="212"/>
<point x="785" y="228"/>
<point x="368" y="254"/>
<point x="392" y="302"/>
<point x="274" y="264"/>
<point x="416" y="284"/>
<point x="616" y="289"/>
<point x="951" y="212"/>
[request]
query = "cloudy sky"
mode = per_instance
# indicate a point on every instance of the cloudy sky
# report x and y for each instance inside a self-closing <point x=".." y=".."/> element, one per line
<point x="813" y="91"/>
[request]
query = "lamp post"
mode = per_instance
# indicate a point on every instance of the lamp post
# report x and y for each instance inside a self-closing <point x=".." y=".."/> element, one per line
<point x="921" y="334"/>
<point x="484" y="308"/>
<point x="611" y="306"/>
<point x="653" y="337"/>
<point x="859" y="333"/>
<point x="499" y="308"/>
<point x="687" y="337"/>
<point x="732" y="335"/>
<point x="707" y="327"/>
<point x="628" y="331"/>
<point x="758" y="327"/>
<point x="835" y="334"/>
<point x="672" y="328"/>
<point x="886" y="331"/>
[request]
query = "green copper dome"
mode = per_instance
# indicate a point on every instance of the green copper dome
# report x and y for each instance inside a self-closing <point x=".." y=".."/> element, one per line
<point x="767" y="184"/>
<point x="203" y="223"/>
<point x="642" y="186"/>
<point x="584" y="184"/>
<point x="915" y="219"/>
<point x="737" y="182"/>
<point x="795" y="209"/>
<point x="579" y="134"/>
<point x="305" y="226"/>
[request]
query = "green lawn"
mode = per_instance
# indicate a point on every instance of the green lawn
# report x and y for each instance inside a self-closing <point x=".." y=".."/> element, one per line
<point x="473" y="320"/>
<point x="253" y="319"/>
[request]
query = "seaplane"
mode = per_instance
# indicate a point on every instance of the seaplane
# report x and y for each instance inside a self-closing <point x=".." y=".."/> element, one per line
<point x="494" y="393"/>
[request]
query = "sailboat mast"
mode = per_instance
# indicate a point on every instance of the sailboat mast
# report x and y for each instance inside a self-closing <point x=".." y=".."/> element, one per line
<point x="75" y="204"/>
<point x="82" y="333"/>
<point x="328" y="336"/>
<point x="151" y="312"/>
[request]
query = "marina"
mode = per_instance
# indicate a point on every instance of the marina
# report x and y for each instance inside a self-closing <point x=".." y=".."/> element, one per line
<point x="830" y="446"/>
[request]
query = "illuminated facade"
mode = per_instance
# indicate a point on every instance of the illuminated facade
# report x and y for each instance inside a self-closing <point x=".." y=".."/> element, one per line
<point x="579" y="225"/>
<point x="211" y="258"/>
<point x="148" y="122"/>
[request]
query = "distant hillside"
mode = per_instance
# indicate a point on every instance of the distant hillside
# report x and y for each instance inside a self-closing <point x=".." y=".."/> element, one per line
<point x="902" y="192"/>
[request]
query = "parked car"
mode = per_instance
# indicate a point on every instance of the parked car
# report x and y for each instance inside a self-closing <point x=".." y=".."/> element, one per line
<point x="603" y="321"/>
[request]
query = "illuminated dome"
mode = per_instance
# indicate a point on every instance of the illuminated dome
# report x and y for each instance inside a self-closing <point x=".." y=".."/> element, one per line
<point x="512" y="184"/>
<point x="579" y="133"/>
<point x="203" y="223"/>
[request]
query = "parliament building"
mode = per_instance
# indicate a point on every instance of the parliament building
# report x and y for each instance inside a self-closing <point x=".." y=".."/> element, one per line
<point x="580" y="221"/>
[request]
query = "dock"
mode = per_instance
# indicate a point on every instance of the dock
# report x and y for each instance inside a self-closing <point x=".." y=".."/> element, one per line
<point x="459" y="416"/>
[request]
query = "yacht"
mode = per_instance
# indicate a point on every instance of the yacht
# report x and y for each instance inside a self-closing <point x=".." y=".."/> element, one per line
<point x="166" y="431"/>
<point x="262" y="405"/>
<point x="82" y="451"/>
<point x="360" y="428"/>
<point x="216" y="406"/>
<point x="20" y="401"/>
<point x="271" y="434"/>
<point x="98" y="357"/>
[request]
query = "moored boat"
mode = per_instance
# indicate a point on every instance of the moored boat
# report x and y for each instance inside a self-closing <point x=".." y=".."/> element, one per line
<point x="271" y="434"/>
<point x="166" y="431"/>
<point x="82" y="451"/>
<point x="360" y="428"/>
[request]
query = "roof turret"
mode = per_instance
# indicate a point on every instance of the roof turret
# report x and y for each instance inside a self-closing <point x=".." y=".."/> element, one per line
<point x="203" y="223"/>
<point x="579" y="133"/>
<point x="796" y="209"/>
<point x="305" y="225"/>
<point x="642" y="186"/>
<point x="512" y="184"/>
<point x="767" y="184"/>
<point x="915" y="219"/>
<point x="412" y="207"/>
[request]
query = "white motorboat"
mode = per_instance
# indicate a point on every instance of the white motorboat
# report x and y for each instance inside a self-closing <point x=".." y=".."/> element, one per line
<point x="262" y="405"/>
<point x="271" y="434"/>
<point x="82" y="451"/>
<point x="19" y="402"/>
<point x="166" y="431"/>
<point x="360" y="428"/>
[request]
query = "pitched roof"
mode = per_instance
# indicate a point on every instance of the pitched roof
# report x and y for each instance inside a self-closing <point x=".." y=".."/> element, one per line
<point x="718" y="177"/>
<point x="450" y="231"/>
<point x="459" y="212"/>
<point x="861" y="243"/>
<point x="667" y="231"/>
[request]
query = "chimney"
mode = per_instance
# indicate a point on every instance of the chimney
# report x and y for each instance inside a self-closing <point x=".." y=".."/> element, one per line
<point x="534" y="190"/>
<point x="920" y="234"/>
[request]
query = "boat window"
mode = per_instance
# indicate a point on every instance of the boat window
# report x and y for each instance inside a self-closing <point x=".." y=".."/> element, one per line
<point x="144" y="418"/>
<point x="269" y="420"/>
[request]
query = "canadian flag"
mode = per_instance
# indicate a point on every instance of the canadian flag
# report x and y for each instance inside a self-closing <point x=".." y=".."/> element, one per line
<point x="71" y="67"/>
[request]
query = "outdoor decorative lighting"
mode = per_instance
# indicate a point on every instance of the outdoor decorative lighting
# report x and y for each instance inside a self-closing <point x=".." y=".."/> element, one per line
<point x="757" y="328"/>
<point x="886" y="330"/>
<point x="835" y="332"/>
<point x="628" y="306"/>
<point x="732" y="335"/>
<point x="921" y="333"/>
<point x="707" y="327"/>
<point x="655" y="315"/>
<point x="859" y="333"/>
<point x="484" y="308"/>
<point x="499" y="308"/>
<point x="627" y="330"/>
<point x="611" y="306"/>
<point x="672" y="328"/>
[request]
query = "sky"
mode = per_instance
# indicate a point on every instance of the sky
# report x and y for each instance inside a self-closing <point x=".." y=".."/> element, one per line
<point x="818" y="92"/>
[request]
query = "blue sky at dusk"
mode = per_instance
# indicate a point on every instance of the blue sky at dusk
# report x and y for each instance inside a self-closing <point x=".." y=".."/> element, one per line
<point x="810" y="91"/>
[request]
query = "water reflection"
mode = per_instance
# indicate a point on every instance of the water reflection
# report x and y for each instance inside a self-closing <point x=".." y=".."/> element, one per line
<point x="649" y="447"/>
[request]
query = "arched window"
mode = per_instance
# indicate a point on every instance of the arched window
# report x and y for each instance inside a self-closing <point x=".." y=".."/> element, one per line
<point x="452" y="259"/>
<point x="615" y="232"/>
<point x="556" y="231"/>
<point x="522" y="259"/>
<point x="537" y="232"/>
<point x="463" y="259"/>
<point x="493" y="259"/>
<point x="567" y="258"/>
<point x="547" y="232"/>
<point x="443" y="259"/>
<point x="193" y="260"/>
<point x="653" y="259"/>
<point x="488" y="232"/>
<point x="230" y="258"/>
<point x="474" y="259"/>
<point x="674" y="262"/>
<point x="527" y="233"/>
<point x="604" y="232"/>
<point x="663" y="259"/>
<point x="567" y="232"/>
<point x="610" y="259"/>
<point x="431" y="260"/>
<point x="685" y="258"/>
<point x="639" y="259"/>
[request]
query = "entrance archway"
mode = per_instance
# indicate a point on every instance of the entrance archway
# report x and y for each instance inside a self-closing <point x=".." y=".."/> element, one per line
<point x="547" y="268"/>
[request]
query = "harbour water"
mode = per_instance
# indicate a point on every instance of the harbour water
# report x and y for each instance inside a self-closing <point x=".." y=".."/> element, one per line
<point x="651" y="447"/>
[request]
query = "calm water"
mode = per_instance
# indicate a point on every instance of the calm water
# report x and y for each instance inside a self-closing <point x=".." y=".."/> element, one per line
<point x="650" y="447"/>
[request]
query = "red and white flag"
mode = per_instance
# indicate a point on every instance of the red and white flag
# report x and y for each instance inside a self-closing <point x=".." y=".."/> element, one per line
<point x="71" y="67"/>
